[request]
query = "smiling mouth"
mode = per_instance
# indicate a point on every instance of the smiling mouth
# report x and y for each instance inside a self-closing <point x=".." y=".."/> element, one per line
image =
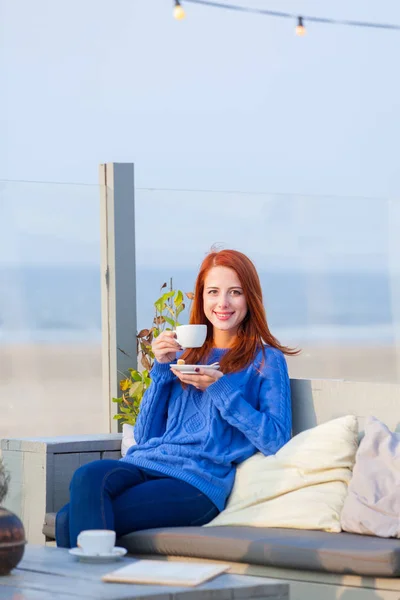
<point x="223" y="316"/>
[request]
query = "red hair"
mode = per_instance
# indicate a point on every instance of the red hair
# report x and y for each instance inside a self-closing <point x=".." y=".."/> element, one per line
<point x="253" y="331"/>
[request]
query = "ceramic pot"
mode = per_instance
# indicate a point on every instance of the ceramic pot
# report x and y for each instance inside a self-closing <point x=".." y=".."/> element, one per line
<point x="12" y="541"/>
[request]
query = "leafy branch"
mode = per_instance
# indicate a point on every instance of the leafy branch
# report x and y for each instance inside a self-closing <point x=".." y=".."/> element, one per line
<point x="168" y="309"/>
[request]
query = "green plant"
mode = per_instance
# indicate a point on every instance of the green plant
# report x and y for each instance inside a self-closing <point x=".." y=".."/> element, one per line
<point x="168" y="309"/>
<point x="4" y="480"/>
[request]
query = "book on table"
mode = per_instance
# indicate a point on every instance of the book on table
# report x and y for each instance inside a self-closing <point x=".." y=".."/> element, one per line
<point x="158" y="572"/>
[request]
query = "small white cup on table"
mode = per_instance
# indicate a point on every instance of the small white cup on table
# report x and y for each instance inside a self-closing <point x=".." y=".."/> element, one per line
<point x="96" y="541"/>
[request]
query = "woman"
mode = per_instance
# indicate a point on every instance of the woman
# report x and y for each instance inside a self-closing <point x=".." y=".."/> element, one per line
<point x="193" y="429"/>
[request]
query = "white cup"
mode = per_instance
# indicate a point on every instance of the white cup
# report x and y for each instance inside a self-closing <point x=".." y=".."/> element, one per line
<point x="96" y="541"/>
<point x="191" y="336"/>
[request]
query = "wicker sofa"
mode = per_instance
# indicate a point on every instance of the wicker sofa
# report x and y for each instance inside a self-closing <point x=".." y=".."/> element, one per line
<point x="318" y="564"/>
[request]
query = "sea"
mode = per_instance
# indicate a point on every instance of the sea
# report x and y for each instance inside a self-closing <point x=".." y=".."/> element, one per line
<point x="47" y="304"/>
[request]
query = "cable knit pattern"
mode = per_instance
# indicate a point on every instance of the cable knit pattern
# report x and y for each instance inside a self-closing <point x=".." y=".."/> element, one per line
<point x="200" y="437"/>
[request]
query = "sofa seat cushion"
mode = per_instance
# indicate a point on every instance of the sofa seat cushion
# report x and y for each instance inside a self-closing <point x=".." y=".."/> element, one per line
<point x="286" y="548"/>
<point x="49" y="526"/>
<point x="277" y="547"/>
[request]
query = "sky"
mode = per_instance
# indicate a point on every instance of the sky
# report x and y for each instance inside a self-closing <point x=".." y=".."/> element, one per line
<point x="219" y="101"/>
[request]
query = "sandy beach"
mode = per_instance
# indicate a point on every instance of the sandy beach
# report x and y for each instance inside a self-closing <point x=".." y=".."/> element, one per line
<point x="357" y="362"/>
<point x="48" y="390"/>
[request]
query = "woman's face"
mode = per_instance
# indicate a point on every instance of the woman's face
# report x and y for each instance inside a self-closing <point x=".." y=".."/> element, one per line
<point x="224" y="302"/>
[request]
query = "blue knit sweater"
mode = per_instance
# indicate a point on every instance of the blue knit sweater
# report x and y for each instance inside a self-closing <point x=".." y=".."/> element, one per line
<point x="200" y="437"/>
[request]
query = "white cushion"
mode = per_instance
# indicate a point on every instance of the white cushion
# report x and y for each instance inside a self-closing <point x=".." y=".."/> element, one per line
<point x="302" y="486"/>
<point x="372" y="506"/>
<point x="128" y="438"/>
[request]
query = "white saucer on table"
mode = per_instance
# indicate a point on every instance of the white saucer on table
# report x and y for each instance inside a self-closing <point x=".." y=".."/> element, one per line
<point x="191" y="369"/>
<point x="115" y="554"/>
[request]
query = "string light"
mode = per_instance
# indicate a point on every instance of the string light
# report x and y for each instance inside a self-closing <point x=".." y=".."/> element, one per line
<point x="179" y="13"/>
<point x="285" y="15"/>
<point x="300" y="29"/>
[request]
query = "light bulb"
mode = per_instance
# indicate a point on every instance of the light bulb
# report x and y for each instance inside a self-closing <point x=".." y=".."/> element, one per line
<point x="300" y="29"/>
<point x="179" y="13"/>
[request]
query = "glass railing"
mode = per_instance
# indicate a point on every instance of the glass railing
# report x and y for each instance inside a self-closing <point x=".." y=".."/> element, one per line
<point x="329" y="267"/>
<point x="50" y="315"/>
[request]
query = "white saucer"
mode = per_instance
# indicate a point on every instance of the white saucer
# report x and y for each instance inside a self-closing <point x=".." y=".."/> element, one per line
<point x="190" y="369"/>
<point x="115" y="554"/>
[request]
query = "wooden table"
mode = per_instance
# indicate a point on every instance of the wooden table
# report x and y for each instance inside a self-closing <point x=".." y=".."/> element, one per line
<point x="48" y="573"/>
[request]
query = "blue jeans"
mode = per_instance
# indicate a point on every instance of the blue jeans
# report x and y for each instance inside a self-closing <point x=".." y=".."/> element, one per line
<point x="112" y="494"/>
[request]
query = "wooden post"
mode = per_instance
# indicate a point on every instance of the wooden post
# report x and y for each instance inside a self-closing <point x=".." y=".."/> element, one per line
<point x="118" y="280"/>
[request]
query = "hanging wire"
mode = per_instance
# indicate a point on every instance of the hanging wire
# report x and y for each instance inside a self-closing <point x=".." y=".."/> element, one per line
<point x="286" y="15"/>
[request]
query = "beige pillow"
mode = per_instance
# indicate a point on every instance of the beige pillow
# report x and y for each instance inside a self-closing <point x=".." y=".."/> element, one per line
<point x="302" y="486"/>
<point x="372" y="506"/>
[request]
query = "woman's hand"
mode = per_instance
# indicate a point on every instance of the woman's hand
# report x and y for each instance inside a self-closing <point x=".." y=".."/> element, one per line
<point x="201" y="380"/>
<point x="165" y="347"/>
